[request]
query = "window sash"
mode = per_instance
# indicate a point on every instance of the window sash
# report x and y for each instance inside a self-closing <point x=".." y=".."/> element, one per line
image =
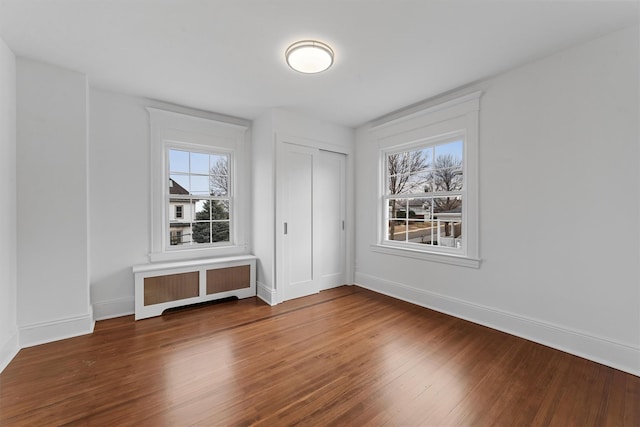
<point x="411" y="232"/>
<point x="190" y="220"/>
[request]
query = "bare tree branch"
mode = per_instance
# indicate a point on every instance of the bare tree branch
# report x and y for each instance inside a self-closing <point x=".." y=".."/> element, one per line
<point x="219" y="179"/>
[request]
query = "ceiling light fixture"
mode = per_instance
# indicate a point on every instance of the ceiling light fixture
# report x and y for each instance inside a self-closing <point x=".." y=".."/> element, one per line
<point x="309" y="56"/>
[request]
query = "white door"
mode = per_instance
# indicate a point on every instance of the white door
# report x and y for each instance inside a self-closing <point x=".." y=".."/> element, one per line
<point x="330" y="214"/>
<point x="310" y="213"/>
<point x="297" y="263"/>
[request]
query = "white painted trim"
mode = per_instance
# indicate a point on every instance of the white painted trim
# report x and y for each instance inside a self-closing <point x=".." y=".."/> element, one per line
<point x="608" y="352"/>
<point x="427" y="256"/>
<point x="109" y="309"/>
<point x="241" y="124"/>
<point x="8" y="350"/>
<point x="189" y="254"/>
<point x="430" y="108"/>
<point x="45" y="332"/>
<point x="266" y="294"/>
<point x="142" y="268"/>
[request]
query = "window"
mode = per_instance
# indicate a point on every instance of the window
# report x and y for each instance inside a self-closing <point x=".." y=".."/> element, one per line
<point x="199" y="186"/>
<point x="425" y="195"/>
<point x="201" y="181"/>
<point x="429" y="179"/>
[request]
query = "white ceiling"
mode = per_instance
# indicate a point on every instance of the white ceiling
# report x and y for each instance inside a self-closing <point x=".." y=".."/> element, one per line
<point x="228" y="56"/>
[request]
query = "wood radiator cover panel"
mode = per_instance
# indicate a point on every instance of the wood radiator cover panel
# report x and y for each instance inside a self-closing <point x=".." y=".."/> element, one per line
<point x="171" y="287"/>
<point x="228" y="279"/>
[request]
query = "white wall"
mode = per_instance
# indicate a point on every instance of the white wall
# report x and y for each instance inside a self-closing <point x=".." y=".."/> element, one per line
<point x="52" y="236"/>
<point x="118" y="199"/>
<point x="278" y="123"/>
<point x="559" y="209"/>
<point x="8" y="242"/>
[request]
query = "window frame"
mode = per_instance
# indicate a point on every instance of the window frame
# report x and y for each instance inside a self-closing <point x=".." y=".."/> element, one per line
<point x="173" y="130"/>
<point x="209" y="150"/>
<point x="386" y="196"/>
<point x="430" y="125"/>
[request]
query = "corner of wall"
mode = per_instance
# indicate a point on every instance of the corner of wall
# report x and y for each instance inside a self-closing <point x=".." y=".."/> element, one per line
<point x="8" y="211"/>
<point x="266" y="294"/>
<point x="8" y="350"/>
<point x="109" y="309"/>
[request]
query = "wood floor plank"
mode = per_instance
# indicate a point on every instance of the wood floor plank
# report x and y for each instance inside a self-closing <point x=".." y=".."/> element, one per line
<point x="346" y="356"/>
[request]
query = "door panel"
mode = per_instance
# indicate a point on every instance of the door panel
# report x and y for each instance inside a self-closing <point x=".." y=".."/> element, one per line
<point x="330" y="214"/>
<point x="297" y="264"/>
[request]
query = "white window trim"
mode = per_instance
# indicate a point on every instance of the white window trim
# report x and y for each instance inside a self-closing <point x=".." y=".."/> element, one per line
<point x="456" y="116"/>
<point x="174" y="130"/>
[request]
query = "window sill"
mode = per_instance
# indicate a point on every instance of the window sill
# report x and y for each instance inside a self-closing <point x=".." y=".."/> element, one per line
<point x="189" y="254"/>
<point x="428" y="256"/>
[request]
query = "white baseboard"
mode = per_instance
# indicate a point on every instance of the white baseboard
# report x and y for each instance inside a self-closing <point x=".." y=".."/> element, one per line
<point x="45" y="332"/>
<point x="113" y="308"/>
<point x="266" y="294"/>
<point x="607" y="352"/>
<point x="8" y="350"/>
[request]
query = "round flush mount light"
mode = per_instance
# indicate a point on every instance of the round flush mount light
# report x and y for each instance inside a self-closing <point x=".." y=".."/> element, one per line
<point x="309" y="56"/>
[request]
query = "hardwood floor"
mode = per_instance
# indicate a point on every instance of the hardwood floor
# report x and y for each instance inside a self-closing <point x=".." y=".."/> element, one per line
<point x="346" y="356"/>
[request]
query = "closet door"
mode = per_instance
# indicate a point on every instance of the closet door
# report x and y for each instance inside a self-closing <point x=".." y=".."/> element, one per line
<point x="298" y="263"/>
<point x="311" y="205"/>
<point x="330" y="212"/>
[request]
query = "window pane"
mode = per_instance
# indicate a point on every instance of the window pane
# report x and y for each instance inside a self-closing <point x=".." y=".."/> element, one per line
<point x="396" y="183"/>
<point x="201" y="232"/>
<point x="448" y="177"/>
<point x="447" y="174"/>
<point x="199" y="185"/>
<point x="200" y="163"/>
<point x="219" y="185"/>
<point x="220" y="231"/>
<point x="447" y="205"/>
<point x="420" y="231"/>
<point x="419" y="208"/>
<point x="396" y="230"/>
<point x="178" y="161"/>
<point x="454" y="149"/>
<point x="219" y="164"/>
<point x="201" y="209"/>
<point x="179" y="184"/>
<point x="179" y="234"/>
<point x="448" y="218"/>
<point x="407" y="171"/>
<point x="219" y="209"/>
<point x="397" y="208"/>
